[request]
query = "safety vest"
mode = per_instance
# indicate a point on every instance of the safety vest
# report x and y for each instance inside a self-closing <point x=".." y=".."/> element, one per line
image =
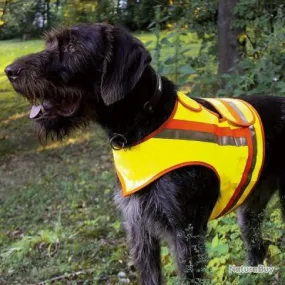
<point x="230" y="142"/>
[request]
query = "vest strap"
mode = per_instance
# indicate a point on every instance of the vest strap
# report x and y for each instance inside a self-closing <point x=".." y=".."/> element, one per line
<point x="231" y="112"/>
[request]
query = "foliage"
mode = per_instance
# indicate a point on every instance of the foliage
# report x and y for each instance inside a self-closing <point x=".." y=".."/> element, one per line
<point x="76" y="11"/>
<point x="33" y="17"/>
<point x="19" y="20"/>
<point x="177" y="63"/>
<point x="145" y="12"/>
<point x="261" y="72"/>
<point x="202" y="19"/>
<point x="105" y="11"/>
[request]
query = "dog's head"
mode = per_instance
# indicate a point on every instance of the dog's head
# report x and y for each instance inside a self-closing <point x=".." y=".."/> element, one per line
<point x="79" y="69"/>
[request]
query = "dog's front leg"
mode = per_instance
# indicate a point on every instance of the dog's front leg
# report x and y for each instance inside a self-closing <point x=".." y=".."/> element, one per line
<point x="145" y="252"/>
<point x="144" y="244"/>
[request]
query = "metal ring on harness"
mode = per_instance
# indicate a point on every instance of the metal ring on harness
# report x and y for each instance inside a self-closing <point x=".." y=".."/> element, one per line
<point x="148" y="107"/>
<point x="120" y="142"/>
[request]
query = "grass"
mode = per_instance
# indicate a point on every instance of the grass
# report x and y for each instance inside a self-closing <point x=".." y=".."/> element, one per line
<point x="57" y="219"/>
<point x="56" y="211"/>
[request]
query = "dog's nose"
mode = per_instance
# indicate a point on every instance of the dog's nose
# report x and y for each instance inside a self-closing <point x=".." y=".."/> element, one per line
<point x="12" y="72"/>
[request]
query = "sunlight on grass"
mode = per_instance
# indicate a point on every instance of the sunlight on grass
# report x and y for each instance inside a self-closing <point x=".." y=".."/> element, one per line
<point x="10" y="50"/>
<point x="70" y="141"/>
<point x="15" y="117"/>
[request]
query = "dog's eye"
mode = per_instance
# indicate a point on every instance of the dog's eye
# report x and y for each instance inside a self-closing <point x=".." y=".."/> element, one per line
<point x="69" y="48"/>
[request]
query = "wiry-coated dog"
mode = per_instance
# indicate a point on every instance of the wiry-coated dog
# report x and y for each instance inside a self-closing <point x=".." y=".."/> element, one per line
<point x="101" y="73"/>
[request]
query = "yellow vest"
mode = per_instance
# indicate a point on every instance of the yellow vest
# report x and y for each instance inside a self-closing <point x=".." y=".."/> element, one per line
<point x="232" y="146"/>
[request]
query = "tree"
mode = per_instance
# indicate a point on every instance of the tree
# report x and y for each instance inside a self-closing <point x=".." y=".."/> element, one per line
<point x="47" y="14"/>
<point x="230" y="49"/>
<point x="77" y="11"/>
<point x="105" y="11"/>
<point x="145" y="12"/>
<point x="4" y="5"/>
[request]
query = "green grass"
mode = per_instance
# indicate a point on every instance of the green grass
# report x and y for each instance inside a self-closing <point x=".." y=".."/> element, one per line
<point x="10" y="50"/>
<point x="56" y="210"/>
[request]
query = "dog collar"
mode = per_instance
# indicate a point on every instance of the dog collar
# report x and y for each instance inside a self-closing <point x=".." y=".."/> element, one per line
<point x="150" y="105"/>
<point x="119" y="141"/>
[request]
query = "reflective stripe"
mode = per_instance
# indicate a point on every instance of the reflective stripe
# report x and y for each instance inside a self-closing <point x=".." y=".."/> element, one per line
<point x="194" y="138"/>
<point x="240" y="190"/>
<point x="221" y="107"/>
<point x="207" y="128"/>
<point x="202" y="137"/>
<point x="248" y="113"/>
<point x="239" y="117"/>
<point x="228" y="111"/>
<point x="253" y="163"/>
<point x="189" y="132"/>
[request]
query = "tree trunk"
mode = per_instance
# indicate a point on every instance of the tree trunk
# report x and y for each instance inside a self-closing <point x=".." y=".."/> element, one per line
<point x="230" y="50"/>
<point x="48" y="14"/>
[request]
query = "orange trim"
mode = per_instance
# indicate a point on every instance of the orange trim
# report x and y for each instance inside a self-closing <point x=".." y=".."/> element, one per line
<point x="228" y="207"/>
<point x="161" y="127"/>
<point x="253" y="111"/>
<point x="190" y="107"/>
<point x="235" y="115"/>
<point x="191" y="126"/>
<point x="125" y="193"/>
<point x="232" y="111"/>
<point x="121" y="179"/>
<point x="263" y="140"/>
<point x="221" y="120"/>
<point x="204" y="127"/>
<point x="244" y="176"/>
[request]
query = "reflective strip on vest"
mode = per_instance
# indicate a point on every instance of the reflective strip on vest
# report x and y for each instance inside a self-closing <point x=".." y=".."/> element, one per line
<point x="232" y="146"/>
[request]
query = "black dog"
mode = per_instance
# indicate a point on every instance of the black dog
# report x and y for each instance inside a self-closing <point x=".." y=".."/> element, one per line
<point x="101" y="73"/>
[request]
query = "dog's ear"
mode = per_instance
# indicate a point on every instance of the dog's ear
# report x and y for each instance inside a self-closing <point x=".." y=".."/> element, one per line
<point x="124" y="63"/>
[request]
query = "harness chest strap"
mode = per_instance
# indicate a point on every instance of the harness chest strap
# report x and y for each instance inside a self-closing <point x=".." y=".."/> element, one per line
<point x="232" y="146"/>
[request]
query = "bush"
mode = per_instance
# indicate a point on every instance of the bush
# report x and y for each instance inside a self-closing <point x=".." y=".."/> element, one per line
<point x="261" y="72"/>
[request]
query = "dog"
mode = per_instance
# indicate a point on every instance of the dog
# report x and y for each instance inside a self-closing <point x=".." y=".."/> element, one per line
<point x="101" y="73"/>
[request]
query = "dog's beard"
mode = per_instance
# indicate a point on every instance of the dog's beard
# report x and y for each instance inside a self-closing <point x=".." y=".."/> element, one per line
<point x="55" y="126"/>
<point x="58" y="128"/>
<point x="34" y="90"/>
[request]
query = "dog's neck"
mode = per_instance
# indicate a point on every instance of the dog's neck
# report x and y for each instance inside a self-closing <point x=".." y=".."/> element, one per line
<point x="127" y="122"/>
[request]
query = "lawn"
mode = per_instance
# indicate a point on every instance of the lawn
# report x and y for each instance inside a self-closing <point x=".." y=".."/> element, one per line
<point x="58" y="224"/>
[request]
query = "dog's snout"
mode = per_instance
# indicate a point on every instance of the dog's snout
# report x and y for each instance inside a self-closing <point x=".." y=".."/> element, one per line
<point x="13" y="71"/>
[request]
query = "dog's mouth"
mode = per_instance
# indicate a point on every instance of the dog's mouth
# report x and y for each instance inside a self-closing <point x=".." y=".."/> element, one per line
<point x="49" y="109"/>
